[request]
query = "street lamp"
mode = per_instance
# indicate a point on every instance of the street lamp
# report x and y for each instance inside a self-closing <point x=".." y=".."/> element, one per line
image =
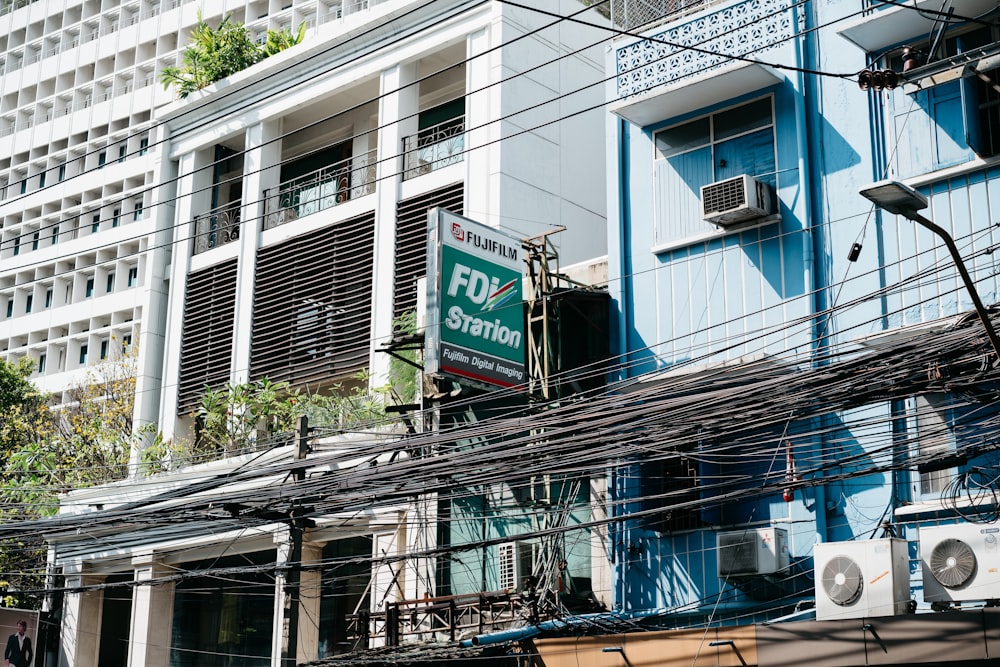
<point x="900" y="199"/>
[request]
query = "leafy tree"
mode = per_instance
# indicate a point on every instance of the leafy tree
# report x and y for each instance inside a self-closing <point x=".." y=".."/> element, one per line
<point x="215" y="53"/>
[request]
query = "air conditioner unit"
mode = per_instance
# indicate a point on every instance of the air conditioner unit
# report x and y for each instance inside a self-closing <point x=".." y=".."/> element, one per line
<point x="752" y="551"/>
<point x="515" y="563"/>
<point x="861" y="579"/>
<point x="960" y="562"/>
<point x="736" y="200"/>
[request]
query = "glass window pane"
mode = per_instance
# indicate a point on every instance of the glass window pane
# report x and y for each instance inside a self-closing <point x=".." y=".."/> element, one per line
<point x="682" y="138"/>
<point x="743" y="119"/>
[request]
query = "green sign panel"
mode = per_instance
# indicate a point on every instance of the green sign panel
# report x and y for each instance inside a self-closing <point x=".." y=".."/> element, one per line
<point x="475" y="312"/>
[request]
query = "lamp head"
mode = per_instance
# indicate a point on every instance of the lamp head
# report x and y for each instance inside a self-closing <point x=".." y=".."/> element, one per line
<point x="895" y="197"/>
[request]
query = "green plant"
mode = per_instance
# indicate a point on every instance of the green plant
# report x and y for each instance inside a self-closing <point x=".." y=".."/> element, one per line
<point x="215" y="53"/>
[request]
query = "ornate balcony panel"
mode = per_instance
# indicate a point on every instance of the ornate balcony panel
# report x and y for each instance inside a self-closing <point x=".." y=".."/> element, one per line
<point x="434" y="148"/>
<point x="217" y="227"/>
<point x="320" y="190"/>
<point x="703" y="45"/>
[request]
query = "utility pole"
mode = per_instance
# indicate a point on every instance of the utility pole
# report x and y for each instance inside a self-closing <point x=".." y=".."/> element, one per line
<point x="293" y="576"/>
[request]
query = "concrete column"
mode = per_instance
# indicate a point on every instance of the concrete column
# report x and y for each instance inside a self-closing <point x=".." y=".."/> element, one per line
<point x="261" y="170"/>
<point x="81" y="623"/>
<point x="153" y="331"/>
<point x="400" y="100"/>
<point x="193" y="196"/>
<point x="152" y="614"/>
<point x="310" y="597"/>
<point x="303" y="622"/>
<point x="482" y="162"/>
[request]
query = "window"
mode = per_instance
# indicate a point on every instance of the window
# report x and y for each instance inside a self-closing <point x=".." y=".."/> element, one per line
<point x="10" y="307"/>
<point x="934" y="444"/>
<point x="48" y="298"/>
<point x="54" y="239"/>
<point x="41" y="180"/>
<point x="126" y="343"/>
<point x="95" y="224"/>
<point x="104" y="349"/>
<point x="143" y="145"/>
<point x="111" y="283"/>
<point x="62" y="173"/>
<point x="17" y="245"/>
<point x="83" y="354"/>
<point x="90" y="288"/>
<point x="712" y="148"/>
<point x="121" y="153"/>
<point x="27" y="303"/>
<point x="102" y="158"/>
<point x="137" y="212"/>
<point x="115" y="215"/>
<point x="133" y="275"/>
<point x="34" y="240"/>
<point x="945" y="124"/>
<point x="41" y="363"/>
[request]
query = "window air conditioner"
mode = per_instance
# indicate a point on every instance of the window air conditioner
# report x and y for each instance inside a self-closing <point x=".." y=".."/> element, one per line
<point x="516" y="562"/>
<point x="752" y="551"/>
<point x="736" y="200"/>
<point x="861" y="579"/>
<point x="960" y="562"/>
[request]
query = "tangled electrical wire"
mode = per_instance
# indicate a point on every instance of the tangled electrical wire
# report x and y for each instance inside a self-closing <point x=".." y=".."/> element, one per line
<point x="975" y="494"/>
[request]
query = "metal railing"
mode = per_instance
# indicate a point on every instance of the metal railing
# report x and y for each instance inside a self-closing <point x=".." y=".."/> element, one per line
<point x="217" y="227"/>
<point x="319" y="190"/>
<point x="445" y="617"/>
<point x="629" y="14"/>
<point x="433" y="148"/>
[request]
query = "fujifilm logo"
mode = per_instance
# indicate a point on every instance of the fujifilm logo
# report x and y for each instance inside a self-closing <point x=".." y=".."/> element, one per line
<point x="473" y="239"/>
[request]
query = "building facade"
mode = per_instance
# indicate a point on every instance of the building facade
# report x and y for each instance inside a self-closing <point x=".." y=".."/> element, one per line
<point x="740" y="139"/>
<point x="284" y="229"/>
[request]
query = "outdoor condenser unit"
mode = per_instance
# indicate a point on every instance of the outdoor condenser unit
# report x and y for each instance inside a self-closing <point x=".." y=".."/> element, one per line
<point x="736" y="200"/>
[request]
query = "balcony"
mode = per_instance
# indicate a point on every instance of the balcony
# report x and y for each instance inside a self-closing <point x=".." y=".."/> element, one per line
<point x="217" y="227"/>
<point x="434" y="148"/>
<point x="320" y="190"/>
<point x="689" y="65"/>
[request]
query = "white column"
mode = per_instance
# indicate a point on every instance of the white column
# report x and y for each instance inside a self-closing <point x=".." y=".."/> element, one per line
<point x="153" y="331"/>
<point x="261" y="168"/>
<point x="152" y="614"/>
<point x="400" y="98"/>
<point x="283" y="542"/>
<point x="193" y="197"/>
<point x="81" y="622"/>
<point x="482" y="162"/>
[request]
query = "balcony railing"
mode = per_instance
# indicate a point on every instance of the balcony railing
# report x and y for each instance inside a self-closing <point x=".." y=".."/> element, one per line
<point x="433" y="148"/>
<point x="217" y="227"/>
<point x="320" y="190"/>
<point x="629" y="14"/>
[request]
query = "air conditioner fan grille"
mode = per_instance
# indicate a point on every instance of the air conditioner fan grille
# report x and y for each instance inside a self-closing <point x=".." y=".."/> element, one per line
<point x="724" y="196"/>
<point x="842" y="580"/>
<point x="952" y="563"/>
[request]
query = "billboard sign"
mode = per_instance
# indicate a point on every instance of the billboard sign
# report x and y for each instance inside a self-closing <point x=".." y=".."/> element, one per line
<point x="475" y="314"/>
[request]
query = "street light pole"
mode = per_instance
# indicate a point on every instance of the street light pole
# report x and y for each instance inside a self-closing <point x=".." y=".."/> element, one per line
<point x="900" y="199"/>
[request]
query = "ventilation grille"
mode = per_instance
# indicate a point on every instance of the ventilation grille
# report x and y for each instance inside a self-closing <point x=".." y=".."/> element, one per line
<point x="842" y="580"/>
<point x="312" y="304"/>
<point x="737" y="553"/>
<point x="724" y="196"/>
<point x="953" y="563"/>
<point x="411" y="241"/>
<point x="207" y="333"/>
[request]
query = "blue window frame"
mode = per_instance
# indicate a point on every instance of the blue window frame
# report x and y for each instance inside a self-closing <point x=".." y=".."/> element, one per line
<point x="731" y="142"/>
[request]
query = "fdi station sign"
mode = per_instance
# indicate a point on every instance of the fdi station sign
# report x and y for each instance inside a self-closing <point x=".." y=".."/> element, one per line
<point x="475" y="313"/>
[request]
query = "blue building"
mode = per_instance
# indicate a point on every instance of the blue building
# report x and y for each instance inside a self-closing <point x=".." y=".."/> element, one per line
<point x="802" y="344"/>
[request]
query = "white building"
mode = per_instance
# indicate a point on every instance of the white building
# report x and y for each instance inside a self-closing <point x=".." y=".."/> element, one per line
<point x="273" y="224"/>
<point x="282" y="228"/>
